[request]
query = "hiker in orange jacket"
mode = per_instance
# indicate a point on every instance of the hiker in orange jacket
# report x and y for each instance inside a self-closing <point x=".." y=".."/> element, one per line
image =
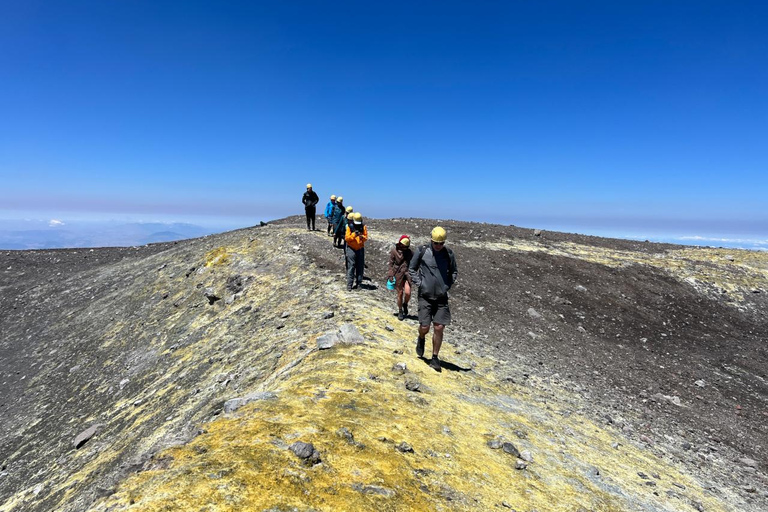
<point x="356" y="236"/>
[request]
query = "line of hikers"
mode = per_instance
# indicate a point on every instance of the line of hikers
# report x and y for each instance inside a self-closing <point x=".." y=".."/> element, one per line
<point x="433" y="269"/>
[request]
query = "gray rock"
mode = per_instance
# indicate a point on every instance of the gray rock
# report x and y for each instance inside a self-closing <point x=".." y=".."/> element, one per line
<point x="305" y="451"/>
<point x="327" y="341"/>
<point x="536" y="232"/>
<point x="580" y="288"/>
<point x="285" y="314"/>
<point x="210" y="294"/>
<point x="534" y="314"/>
<point x="350" y="334"/>
<point x="328" y="315"/>
<point x="526" y="456"/>
<point x="373" y="489"/>
<point x="532" y="335"/>
<point x="494" y="444"/>
<point x="413" y="385"/>
<point x="746" y="461"/>
<point x="404" y="447"/>
<point x="581" y="329"/>
<point x="86" y="434"/>
<point x="389" y="328"/>
<point x="520" y="464"/>
<point x="235" y="403"/>
<point x="701" y="383"/>
<point x="510" y="449"/>
<point x="399" y="368"/>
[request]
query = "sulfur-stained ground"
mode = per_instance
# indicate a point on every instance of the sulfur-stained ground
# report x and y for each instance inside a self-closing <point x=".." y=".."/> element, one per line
<point x="601" y="389"/>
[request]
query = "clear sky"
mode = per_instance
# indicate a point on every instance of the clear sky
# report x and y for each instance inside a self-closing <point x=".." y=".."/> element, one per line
<point x="641" y="116"/>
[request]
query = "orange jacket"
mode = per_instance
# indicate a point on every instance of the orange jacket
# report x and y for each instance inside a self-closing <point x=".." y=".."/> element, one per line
<point x="356" y="240"/>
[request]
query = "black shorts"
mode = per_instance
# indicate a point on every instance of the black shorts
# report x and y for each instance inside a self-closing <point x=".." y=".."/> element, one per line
<point x="434" y="311"/>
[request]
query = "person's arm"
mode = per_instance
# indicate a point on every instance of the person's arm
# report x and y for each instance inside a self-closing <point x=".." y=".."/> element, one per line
<point x="413" y="269"/>
<point x="453" y="270"/>
<point x="391" y="265"/>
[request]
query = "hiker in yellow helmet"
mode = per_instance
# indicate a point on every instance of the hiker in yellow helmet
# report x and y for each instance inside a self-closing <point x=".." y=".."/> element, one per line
<point x="356" y="236"/>
<point x="339" y="212"/>
<point x="399" y="258"/>
<point x="434" y="271"/>
<point x="310" y="201"/>
<point x="329" y="213"/>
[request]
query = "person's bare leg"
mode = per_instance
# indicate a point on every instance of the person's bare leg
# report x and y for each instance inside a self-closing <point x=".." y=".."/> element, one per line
<point x="423" y="330"/>
<point x="406" y="293"/>
<point x="437" y="338"/>
<point x="400" y="298"/>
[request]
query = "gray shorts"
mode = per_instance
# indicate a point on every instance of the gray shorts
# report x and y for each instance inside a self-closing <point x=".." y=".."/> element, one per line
<point x="434" y="311"/>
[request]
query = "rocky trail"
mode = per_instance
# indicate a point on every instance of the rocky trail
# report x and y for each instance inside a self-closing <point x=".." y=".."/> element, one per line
<point x="236" y="372"/>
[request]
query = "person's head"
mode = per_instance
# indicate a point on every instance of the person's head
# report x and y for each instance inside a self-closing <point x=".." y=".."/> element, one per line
<point x="309" y="186"/>
<point x="357" y="218"/>
<point x="438" y="238"/>
<point x="333" y="198"/>
<point x="339" y="199"/>
<point x="404" y="242"/>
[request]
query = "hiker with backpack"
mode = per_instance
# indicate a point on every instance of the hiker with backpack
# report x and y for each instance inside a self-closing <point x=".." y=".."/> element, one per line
<point x="328" y="214"/>
<point x="434" y="271"/>
<point x="310" y="201"/>
<point x="399" y="259"/>
<point x="339" y="211"/>
<point x="356" y="236"/>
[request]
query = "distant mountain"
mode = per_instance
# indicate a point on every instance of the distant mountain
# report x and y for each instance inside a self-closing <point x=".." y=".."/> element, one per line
<point x="37" y="234"/>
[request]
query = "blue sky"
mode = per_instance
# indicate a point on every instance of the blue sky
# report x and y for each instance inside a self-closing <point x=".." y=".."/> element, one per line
<point x="605" y="117"/>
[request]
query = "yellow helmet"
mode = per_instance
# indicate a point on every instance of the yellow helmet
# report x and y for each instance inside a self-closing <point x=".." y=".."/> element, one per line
<point x="350" y="209"/>
<point x="357" y="217"/>
<point x="333" y="197"/>
<point x="309" y="185"/>
<point x="339" y="199"/>
<point x="438" y="234"/>
<point x="405" y="242"/>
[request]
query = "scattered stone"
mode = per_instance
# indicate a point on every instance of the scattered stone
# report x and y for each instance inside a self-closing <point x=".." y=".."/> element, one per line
<point x="580" y="288"/>
<point x="350" y="334"/>
<point x="285" y="314"/>
<point x="701" y="383"/>
<point x="373" y="489"/>
<point x="532" y="335"/>
<point x="399" y="368"/>
<point x="84" y="436"/>
<point x="642" y="475"/>
<point x="404" y="447"/>
<point x="305" y="451"/>
<point x="210" y="294"/>
<point x="646" y="439"/>
<point x="346" y="434"/>
<point x="746" y="461"/>
<point x="536" y="232"/>
<point x="562" y="301"/>
<point x="412" y="384"/>
<point x="581" y="329"/>
<point x="526" y="455"/>
<point x="510" y="449"/>
<point x="235" y="403"/>
<point x="389" y="328"/>
<point x="494" y="444"/>
<point x="327" y="341"/>
<point x="328" y="315"/>
<point x="534" y="314"/>
<point x="520" y="464"/>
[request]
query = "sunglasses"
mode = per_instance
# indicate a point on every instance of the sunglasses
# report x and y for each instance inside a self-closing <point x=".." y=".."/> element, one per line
<point x="438" y="243"/>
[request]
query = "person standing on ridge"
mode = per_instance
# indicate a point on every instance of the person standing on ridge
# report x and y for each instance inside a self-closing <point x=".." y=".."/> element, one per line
<point x="310" y="201"/>
<point x="338" y="215"/>
<point x="399" y="260"/>
<point x="356" y="236"/>
<point x="329" y="213"/>
<point x="345" y="220"/>
<point x="434" y="271"/>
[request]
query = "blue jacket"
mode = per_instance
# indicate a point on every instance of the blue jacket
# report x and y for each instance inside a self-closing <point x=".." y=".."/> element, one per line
<point x="329" y="209"/>
<point x="338" y="214"/>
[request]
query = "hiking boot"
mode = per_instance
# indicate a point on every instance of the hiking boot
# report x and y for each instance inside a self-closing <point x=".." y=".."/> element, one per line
<point x="405" y="309"/>
<point x="420" y="346"/>
<point x="434" y="363"/>
<point x="400" y="315"/>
